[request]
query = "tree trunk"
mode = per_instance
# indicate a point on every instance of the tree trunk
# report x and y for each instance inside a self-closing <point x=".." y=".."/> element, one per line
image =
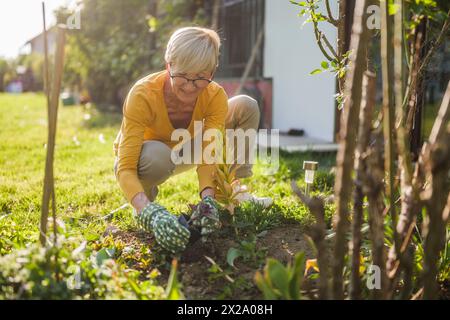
<point x="215" y="15"/>
<point x="409" y="203"/>
<point x="346" y="8"/>
<point x="436" y="195"/>
<point x="388" y="109"/>
<point x="365" y="125"/>
<point x="353" y="93"/>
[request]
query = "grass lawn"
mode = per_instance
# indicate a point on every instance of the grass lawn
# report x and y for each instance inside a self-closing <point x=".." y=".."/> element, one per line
<point x="86" y="190"/>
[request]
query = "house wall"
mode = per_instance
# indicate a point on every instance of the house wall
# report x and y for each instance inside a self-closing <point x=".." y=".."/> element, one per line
<point x="300" y="100"/>
<point x="37" y="43"/>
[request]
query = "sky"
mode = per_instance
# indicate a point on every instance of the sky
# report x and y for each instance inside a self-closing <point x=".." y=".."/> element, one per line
<point x="21" y="20"/>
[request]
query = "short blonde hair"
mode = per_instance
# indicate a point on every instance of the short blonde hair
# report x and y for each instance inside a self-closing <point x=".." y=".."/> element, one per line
<point x="193" y="49"/>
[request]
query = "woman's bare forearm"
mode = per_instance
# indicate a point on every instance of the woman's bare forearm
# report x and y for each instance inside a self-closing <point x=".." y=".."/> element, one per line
<point x="139" y="202"/>
<point x="207" y="192"/>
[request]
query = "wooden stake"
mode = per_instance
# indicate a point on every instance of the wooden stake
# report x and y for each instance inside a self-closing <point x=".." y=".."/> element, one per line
<point x="52" y="123"/>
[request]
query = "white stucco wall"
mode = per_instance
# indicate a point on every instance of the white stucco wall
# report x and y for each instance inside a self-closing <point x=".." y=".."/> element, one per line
<point x="300" y="100"/>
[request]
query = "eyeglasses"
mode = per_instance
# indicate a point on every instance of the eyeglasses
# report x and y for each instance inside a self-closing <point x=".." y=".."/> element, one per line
<point x="182" y="81"/>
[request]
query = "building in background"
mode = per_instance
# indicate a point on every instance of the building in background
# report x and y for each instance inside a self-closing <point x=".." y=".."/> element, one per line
<point x="36" y="44"/>
<point x="291" y="99"/>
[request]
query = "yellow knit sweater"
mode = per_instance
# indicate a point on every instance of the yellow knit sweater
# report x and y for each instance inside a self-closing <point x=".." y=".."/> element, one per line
<point x="145" y="117"/>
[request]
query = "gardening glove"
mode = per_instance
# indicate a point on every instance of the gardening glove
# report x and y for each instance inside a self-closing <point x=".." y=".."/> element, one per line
<point x="205" y="216"/>
<point x="169" y="232"/>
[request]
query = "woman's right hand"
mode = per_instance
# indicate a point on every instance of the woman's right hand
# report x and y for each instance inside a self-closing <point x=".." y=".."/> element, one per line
<point x="139" y="202"/>
<point x="168" y="231"/>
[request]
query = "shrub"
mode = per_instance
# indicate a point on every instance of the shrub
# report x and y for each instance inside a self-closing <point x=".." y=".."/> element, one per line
<point x="61" y="272"/>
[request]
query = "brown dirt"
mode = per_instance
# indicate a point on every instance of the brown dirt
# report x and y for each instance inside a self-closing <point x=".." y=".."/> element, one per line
<point x="284" y="242"/>
<point x="281" y="243"/>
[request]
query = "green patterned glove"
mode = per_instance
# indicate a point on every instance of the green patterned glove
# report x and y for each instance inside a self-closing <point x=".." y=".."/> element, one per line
<point x="205" y="216"/>
<point x="169" y="233"/>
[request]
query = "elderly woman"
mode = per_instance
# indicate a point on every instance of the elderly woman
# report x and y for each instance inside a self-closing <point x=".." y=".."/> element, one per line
<point x="175" y="99"/>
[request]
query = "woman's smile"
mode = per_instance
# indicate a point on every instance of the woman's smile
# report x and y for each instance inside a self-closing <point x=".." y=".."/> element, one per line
<point x="186" y="95"/>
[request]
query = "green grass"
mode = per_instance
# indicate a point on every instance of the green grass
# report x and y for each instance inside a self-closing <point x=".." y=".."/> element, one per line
<point x="86" y="189"/>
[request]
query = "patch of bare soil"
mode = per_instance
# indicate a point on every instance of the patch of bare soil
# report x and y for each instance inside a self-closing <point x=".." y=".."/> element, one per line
<point x="281" y="243"/>
<point x="284" y="242"/>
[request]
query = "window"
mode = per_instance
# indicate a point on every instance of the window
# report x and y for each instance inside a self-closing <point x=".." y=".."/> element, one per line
<point x="239" y="24"/>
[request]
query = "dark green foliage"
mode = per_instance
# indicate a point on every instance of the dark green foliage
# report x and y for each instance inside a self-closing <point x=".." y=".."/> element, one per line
<point x="252" y="218"/>
<point x="67" y="272"/>
<point x="324" y="181"/>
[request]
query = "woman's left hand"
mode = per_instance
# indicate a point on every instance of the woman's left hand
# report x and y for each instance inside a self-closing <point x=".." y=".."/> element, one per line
<point x="205" y="216"/>
<point x="207" y="192"/>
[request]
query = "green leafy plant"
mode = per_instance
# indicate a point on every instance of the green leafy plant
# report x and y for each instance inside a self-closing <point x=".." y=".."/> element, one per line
<point x="227" y="186"/>
<point x="248" y="251"/>
<point x="253" y="218"/>
<point x="226" y="183"/>
<point x="231" y="284"/>
<point x="282" y="282"/>
<point x="324" y="181"/>
<point x="173" y="290"/>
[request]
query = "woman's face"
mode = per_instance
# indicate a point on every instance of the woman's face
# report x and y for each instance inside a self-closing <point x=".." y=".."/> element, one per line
<point x="186" y="91"/>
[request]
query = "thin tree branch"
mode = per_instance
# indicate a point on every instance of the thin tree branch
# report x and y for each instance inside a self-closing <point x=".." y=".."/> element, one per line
<point x="414" y="80"/>
<point x="325" y="39"/>
<point x="333" y="21"/>
<point x="319" y="42"/>
<point x="319" y="35"/>
<point x="436" y="44"/>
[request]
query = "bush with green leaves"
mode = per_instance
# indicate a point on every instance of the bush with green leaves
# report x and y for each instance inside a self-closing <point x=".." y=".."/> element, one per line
<point x="63" y="271"/>
<point x="324" y="181"/>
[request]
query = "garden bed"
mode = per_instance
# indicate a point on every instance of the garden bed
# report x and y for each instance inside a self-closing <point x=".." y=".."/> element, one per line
<point x="202" y="280"/>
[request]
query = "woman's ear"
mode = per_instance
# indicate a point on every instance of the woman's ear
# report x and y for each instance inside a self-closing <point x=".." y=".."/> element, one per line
<point x="214" y="71"/>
